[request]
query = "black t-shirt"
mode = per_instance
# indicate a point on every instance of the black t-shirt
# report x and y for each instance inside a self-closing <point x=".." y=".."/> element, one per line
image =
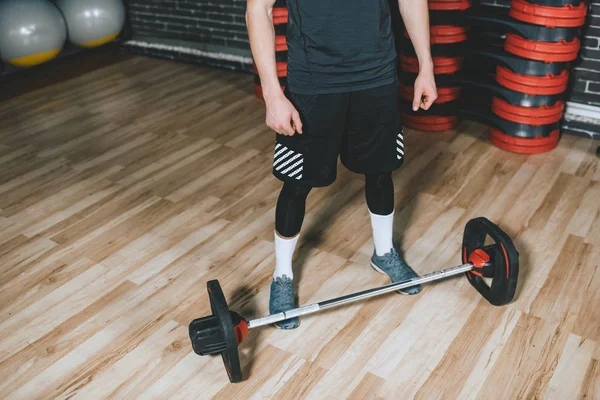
<point x="339" y="45"/>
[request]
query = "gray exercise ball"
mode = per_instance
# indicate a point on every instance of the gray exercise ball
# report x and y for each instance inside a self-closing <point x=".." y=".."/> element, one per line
<point x="92" y="23"/>
<point x="31" y="32"/>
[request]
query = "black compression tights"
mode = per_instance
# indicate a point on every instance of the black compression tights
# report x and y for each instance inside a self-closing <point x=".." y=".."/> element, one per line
<point x="379" y="192"/>
<point x="291" y="205"/>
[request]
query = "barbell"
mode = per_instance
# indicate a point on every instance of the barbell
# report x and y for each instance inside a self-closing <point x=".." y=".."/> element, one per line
<point x="224" y="330"/>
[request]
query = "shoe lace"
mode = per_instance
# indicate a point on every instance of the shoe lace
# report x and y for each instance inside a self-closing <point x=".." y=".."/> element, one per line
<point x="395" y="266"/>
<point x="392" y="260"/>
<point x="282" y="290"/>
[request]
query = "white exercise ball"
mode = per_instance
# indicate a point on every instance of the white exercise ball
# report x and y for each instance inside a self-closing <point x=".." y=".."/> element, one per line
<point x="31" y="32"/>
<point x="93" y="23"/>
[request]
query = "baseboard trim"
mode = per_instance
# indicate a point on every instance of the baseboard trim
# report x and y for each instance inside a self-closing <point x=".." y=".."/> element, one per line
<point x="582" y="113"/>
<point x="190" y="51"/>
<point x="581" y="120"/>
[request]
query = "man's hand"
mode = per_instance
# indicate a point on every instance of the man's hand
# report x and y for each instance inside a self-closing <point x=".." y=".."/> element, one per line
<point x="425" y="91"/>
<point x="415" y="14"/>
<point x="282" y="117"/>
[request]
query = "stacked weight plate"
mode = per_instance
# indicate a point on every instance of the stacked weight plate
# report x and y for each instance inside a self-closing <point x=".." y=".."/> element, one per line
<point x="448" y="34"/>
<point x="280" y="20"/>
<point x="532" y="71"/>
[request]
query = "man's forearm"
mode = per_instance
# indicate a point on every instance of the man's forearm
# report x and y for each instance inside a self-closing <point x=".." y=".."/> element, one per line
<point x="261" y="32"/>
<point x="415" y="15"/>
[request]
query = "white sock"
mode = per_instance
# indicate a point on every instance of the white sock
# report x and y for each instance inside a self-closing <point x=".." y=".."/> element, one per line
<point x="383" y="226"/>
<point x="284" y="251"/>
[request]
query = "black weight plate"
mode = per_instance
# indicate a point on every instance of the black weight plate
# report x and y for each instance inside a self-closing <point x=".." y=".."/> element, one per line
<point x="516" y="64"/>
<point x="446" y="17"/>
<point x="555" y="3"/>
<point x="206" y="337"/>
<point x="510" y="96"/>
<point x="528" y="31"/>
<point x="505" y="260"/>
<point x="281" y="56"/>
<point x="481" y="112"/>
<point x="219" y="307"/>
<point x="486" y="39"/>
<point x="437" y="50"/>
<point x="450" y="108"/>
<point x="280" y="30"/>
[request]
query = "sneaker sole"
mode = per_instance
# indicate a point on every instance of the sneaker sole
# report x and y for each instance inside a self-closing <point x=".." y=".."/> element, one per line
<point x="288" y="329"/>
<point x="376" y="268"/>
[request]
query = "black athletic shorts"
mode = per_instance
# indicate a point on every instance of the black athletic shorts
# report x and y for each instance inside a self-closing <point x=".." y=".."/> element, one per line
<point x="363" y="128"/>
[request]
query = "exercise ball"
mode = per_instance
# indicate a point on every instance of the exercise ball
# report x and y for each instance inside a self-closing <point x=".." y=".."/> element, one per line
<point x="31" y="32"/>
<point x="92" y="23"/>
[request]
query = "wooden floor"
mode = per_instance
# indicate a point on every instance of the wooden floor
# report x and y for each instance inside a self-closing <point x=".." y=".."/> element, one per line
<point x="123" y="190"/>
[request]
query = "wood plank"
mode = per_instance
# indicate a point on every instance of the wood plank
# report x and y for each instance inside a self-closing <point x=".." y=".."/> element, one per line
<point x="480" y="339"/>
<point x="534" y="347"/>
<point x="367" y="388"/>
<point x="590" y="389"/>
<point x="564" y="291"/>
<point x="587" y="324"/>
<point x="301" y="382"/>
<point x="118" y="206"/>
<point x="570" y="373"/>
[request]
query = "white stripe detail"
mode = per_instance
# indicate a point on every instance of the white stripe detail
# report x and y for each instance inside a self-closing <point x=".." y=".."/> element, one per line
<point x="282" y="158"/>
<point x="295" y="172"/>
<point x="292" y="166"/>
<point x="280" y="151"/>
<point x="289" y="160"/>
<point x="400" y="146"/>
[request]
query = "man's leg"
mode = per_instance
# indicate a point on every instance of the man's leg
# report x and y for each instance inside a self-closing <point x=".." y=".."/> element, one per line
<point x="302" y="162"/>
<point x="379" y="192"/>
<point x="289" y="215"/>
<point x="374" y="146"/>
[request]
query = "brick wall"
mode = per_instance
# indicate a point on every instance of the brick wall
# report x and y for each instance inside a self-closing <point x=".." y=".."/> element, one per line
<point x="219" y="22"/>
<point x="586" y="83"/>
<point x="210" y="32"/>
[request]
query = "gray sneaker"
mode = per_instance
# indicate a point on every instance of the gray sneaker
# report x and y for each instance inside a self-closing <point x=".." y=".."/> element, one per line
<point x="391" y="265"/>
<point x="282" y="299"/>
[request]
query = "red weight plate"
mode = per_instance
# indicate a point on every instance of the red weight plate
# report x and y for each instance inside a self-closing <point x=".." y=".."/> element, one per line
<point x="280" y="15"/>
<point x="282" y="69"/>
<point x="532" y="85"/>
<point x="444" y="34"/>
<point x="441" y="65"/>
<point x="525" y="142"/>
<point x="445" y="94"/>
<point x="568" y="16"/>
<point x="522" y="145"/>
<point x="542" y="51"/>
<point x="528" y="115"/>
<point x="281" y="43"/>
<point x="430" y="123"/>
<point x="437" y="5"/>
